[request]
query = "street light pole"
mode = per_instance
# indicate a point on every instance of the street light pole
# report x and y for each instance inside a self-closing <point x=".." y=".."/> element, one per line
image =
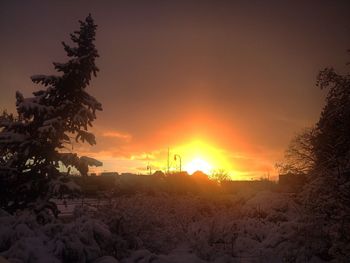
<point x="178" y="156"/>
<point x="149" y="167"/>
<point x="168" y="161"/>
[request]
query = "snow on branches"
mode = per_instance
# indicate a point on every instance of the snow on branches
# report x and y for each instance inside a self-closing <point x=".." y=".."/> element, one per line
<point x="31" y="143"/>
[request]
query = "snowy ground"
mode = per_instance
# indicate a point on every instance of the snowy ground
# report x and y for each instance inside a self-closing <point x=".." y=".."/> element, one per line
<point x="254" y="227"/>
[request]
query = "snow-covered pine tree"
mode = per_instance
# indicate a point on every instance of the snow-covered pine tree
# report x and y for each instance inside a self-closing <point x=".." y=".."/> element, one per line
<point x="32" y="143"/>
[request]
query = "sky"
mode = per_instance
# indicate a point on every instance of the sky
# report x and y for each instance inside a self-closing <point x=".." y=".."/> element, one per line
<point x="222" y="84"/>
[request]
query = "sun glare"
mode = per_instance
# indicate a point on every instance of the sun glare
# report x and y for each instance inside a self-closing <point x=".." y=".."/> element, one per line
<point x="198" y="155"/>
<point x="198" y="165"/>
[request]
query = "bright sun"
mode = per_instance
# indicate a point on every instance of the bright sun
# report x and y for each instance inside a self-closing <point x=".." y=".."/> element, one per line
<point x="198" y="164"/>
<point x="198" y="155"/>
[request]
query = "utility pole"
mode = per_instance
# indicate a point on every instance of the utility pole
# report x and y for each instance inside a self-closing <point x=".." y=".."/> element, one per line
<point x="176" y="156"/>
<point x="149" y="167"/>
<point x="168" y="160"/>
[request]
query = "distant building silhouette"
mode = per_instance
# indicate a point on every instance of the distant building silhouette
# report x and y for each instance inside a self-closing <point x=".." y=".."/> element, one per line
<point x="199" y="175"/>
<point x="158" y="173"/>
<point x="109" y="174"/>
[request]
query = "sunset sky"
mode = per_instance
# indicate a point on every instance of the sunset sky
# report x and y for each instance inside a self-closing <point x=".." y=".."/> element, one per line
<point x="224" y="84"/>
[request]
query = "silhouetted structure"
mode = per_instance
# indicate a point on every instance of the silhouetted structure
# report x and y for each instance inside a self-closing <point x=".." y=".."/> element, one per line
<point x="109" y="174"/>
<point x="199" y="175"/>
<point x="159" y="173"/>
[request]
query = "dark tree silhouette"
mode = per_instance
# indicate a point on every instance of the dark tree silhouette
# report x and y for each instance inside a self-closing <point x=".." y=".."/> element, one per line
<point x="327" y="145"/>
<point x="220" y="175"/>
<point x="32" y="144"/>
<point x="299" y="158"/>
<point x="332" y="143"/>
<point x="323" y="153"/>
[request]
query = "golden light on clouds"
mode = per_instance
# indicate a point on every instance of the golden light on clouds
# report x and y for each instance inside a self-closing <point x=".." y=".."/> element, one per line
<point x="116" y="134"/>
<point x="204" y="144"/>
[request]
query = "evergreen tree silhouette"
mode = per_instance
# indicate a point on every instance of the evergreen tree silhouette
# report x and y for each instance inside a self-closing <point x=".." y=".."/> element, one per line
<point x="32" y="144"/>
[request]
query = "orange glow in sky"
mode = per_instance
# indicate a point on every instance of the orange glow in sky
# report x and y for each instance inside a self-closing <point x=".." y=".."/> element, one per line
<point x="200" y="155"/>
<point x="204" y="142"/>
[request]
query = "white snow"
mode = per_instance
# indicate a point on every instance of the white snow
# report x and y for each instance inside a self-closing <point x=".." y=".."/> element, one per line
<point x="260" y="227"/>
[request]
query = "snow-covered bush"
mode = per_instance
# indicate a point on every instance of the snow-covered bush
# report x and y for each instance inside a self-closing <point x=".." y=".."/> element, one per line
<point x="170" y="228"/>
<point x="23" y="239"/>
<point x="210" y="228"/>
